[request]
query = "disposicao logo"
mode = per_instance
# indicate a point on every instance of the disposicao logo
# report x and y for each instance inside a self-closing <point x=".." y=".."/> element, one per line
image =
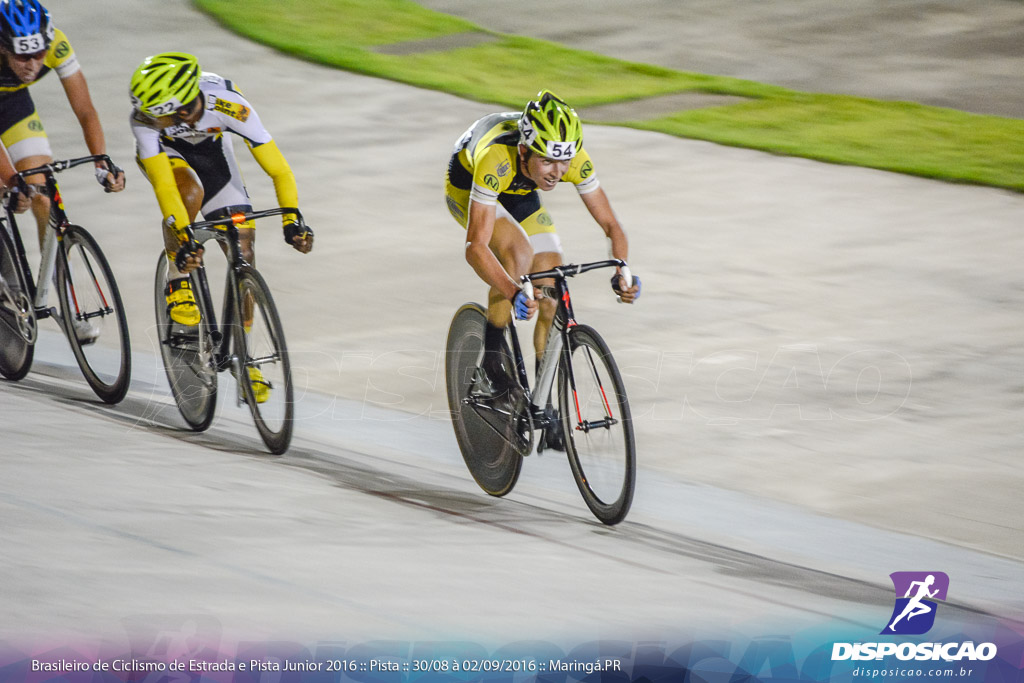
<point x="914" y="614"/>
<point x="916" y="593"/>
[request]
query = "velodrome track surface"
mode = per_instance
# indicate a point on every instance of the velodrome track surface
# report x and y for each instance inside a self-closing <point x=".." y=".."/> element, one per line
<point x="825" y="369"/>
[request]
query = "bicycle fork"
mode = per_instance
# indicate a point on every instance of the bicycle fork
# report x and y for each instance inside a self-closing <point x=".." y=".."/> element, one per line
<point x="558" y="346"/>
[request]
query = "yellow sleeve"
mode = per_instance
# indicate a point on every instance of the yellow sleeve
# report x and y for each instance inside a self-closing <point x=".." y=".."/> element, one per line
<point x="61" y="57"/>
<point x="270" y="159"/>
<point x="158" y="170"/>
<point x="581" y="173"/>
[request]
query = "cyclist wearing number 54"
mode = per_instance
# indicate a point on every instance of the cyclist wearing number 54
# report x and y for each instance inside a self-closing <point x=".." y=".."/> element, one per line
<point x="493" y="176"/>
<point x="180" y="119"/>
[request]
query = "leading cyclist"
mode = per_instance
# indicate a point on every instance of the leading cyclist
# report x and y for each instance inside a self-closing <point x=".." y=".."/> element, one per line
<point x="180" y="117"/>
<point x="491" y="186"/>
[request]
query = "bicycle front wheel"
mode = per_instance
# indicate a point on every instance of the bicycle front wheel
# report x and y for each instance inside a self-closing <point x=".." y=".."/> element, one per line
<point x="94" y="317"/>
<point x="597" y="426"/>
<point x="266" y="376"/>
<point x="17" y="315"/>
<point x="490" y="456"/>
<point x="188" y="353"/>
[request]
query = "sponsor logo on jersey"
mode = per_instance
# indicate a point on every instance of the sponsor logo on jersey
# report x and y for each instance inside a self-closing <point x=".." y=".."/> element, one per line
<point x="544" y="218"/>
<point x="503" y="169"/>
<point x="232" y="109"/>
<point x="62" y="50"/>
<point x="587" y="169"/>
<point x="455" y="209"/>
<point x="36" y="126"/>
<point x="491" y="182"/>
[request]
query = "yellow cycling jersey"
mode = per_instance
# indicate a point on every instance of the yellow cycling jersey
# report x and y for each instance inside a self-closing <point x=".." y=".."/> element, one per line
<point x="485" y="161"/>
<point x="59" y="57"/>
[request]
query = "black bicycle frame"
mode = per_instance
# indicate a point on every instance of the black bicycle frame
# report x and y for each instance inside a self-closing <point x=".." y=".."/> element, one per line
<point x="228" y="235"/>
<point x="58" y="217"/>
<point x="564" y="319"/>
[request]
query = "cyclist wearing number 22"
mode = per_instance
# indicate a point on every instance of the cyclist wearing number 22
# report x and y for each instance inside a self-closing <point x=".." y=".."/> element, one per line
<point x="180" y="119"/>
<point x="493" y="176"/>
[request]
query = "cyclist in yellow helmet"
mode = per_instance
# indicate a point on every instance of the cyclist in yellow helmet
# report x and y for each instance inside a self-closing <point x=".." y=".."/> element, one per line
<point x="180" y="119"/>
<point x="493" y="176"/>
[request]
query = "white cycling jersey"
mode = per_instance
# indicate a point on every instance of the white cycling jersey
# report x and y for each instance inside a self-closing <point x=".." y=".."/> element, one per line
<point x="203" y="145"/>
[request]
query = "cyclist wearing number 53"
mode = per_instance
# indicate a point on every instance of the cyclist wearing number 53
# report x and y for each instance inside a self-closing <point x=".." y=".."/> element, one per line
<point x="180" y="119"/>
<point x="30" y="47"/>
<point x="493" y="176"/>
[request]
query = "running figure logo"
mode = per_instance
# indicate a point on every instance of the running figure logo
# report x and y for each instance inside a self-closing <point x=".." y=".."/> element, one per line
<point x="914" y="612"/>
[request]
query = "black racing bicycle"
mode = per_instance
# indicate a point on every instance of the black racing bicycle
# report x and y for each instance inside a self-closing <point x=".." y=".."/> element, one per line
<point x="91" y="314"/>
<point x="248" y="341"/>
<point x="592" y="416"/>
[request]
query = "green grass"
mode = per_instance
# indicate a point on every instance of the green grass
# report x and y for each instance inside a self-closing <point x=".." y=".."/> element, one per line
<point x="896" y="136"/>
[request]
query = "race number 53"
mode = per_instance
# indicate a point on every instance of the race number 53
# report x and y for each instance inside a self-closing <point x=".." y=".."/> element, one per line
<point x="28" y="44"/>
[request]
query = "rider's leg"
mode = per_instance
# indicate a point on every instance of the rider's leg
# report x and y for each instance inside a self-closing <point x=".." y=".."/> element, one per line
<point x="40" y="202"/>
<point x="545" y="260"/>
<point x="191" y="190"/>
<point x="247" y="245"/>
<point x="181" y="302"/>
<point x="25" y="138"/>
<point x="547" y="255"/>
<point x="547" y="249"/>
<point x="512" y="249"/>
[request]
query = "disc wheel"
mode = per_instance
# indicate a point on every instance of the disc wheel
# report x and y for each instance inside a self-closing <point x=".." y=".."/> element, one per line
<point x="488" y="447"/>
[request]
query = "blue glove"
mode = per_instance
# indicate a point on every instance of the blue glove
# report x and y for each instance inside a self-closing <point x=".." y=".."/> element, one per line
<point x="520" y="305"/>
<point x="636" y="281"/>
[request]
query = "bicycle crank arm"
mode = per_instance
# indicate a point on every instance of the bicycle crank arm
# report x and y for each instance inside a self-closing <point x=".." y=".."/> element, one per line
<point x="43" y="312"/>
<point x="482" y="405"/>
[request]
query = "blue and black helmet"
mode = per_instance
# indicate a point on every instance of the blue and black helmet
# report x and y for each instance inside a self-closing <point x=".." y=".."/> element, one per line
<point x="25" y="26"/>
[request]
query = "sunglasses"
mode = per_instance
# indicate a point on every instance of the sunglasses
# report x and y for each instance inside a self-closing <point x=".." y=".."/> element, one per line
<point x="29" y="57"/>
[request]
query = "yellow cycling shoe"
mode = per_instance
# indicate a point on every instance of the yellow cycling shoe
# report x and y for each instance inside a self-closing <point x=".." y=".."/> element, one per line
<point x="260" y="386"/>
<point x="181" y="302"/>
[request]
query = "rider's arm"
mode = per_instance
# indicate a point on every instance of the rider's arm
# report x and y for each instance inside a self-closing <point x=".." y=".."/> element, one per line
<point x="273" y="163"/>
<point x="161" y="175"/>
<point x="601" y="209"/>
<point x="77" y="92"/>
<point x="62" y="58"/>
<point x="479" y="254"/>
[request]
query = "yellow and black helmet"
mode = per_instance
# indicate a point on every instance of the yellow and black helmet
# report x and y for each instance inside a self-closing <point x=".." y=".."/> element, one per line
<point x="550" y="127"/>
<point x="165" y="82"/>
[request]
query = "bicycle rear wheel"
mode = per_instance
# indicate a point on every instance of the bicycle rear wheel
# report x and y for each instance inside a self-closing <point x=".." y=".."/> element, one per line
<point x="17" y="314"/>
<point x="489" y="455"/>
<point x="597" y="426"/>
<point x="188" y="353"/>
<point x="263" y="359"/>
<point x="94" y="317"/>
